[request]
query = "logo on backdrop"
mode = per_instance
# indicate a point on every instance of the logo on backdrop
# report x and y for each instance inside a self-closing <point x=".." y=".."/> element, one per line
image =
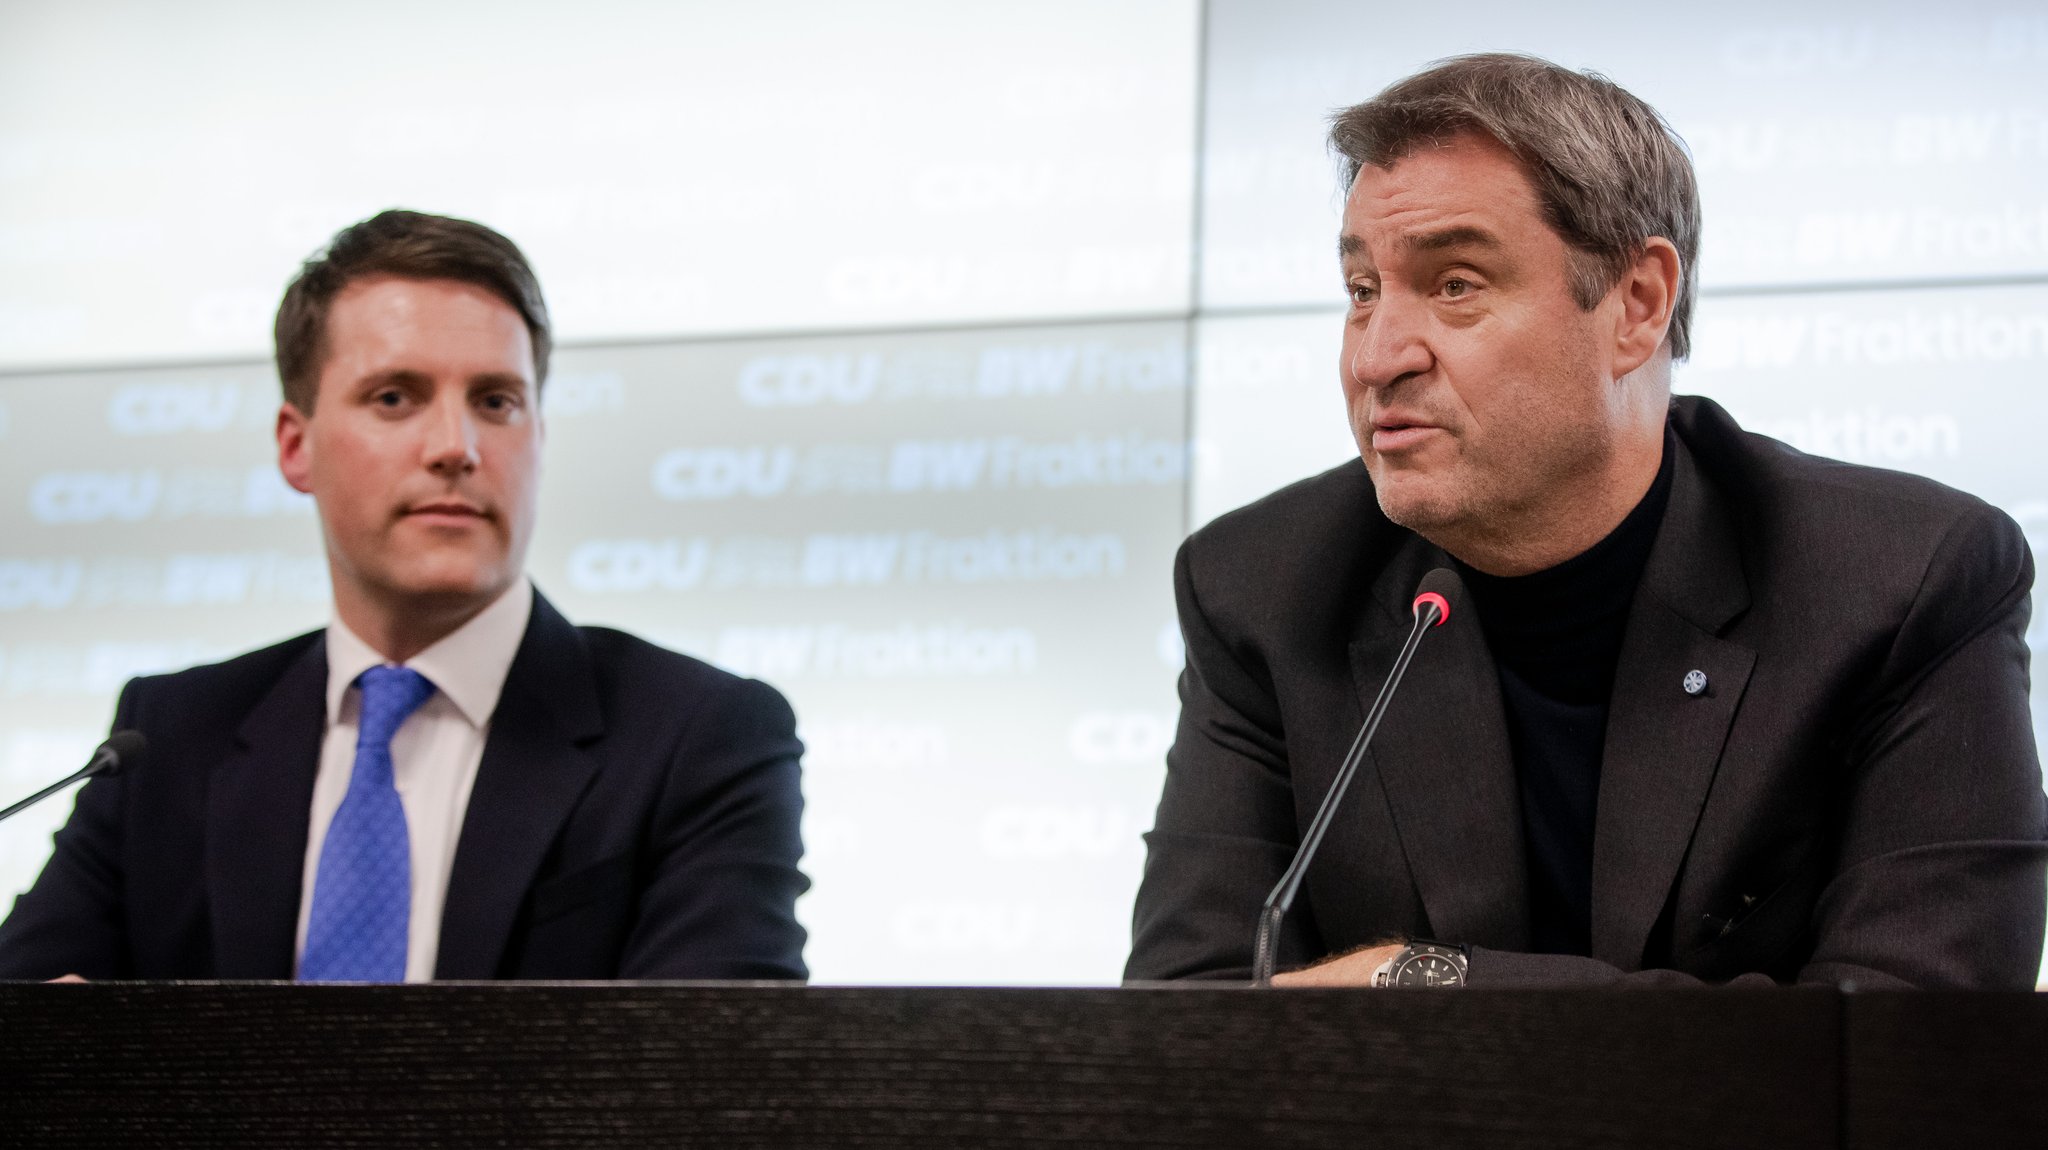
<point x="919" y="466"/>
<point x="906" y="650"/>
<point x="1945" y="335"/>
<point x="1014" y="371"/>
<point x="74" y="497"/>
<point x="1868" y="436"/>
<point x="833" y="560"/>
<point x="171" y="581"/>
<point x="140" y="409"/>
<point x="869" y="743"/>
<point x="1042" y="832"/>
<point x="588" y="393"/>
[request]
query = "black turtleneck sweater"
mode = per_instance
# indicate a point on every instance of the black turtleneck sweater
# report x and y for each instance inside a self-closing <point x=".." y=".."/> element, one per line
<point x="1556" y="636"/>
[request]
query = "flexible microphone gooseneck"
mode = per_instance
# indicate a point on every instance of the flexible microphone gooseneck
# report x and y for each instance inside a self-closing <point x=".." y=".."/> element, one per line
<point x="1432" y="608"/>
<point x="122" y="749"/>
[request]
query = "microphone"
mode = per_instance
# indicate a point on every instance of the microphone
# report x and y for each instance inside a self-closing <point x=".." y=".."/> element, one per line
<point x="1432" y="608"/>
<point x="122" y="749"/>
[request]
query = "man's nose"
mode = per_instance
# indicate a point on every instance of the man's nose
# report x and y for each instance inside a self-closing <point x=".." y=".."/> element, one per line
<point x="1391" y="346"/>
<point x="451" y="441"/>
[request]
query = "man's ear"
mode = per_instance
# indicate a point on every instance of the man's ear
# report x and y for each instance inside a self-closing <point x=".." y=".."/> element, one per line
<point x="295" y="448"/>
<point x="1648" y="291"/>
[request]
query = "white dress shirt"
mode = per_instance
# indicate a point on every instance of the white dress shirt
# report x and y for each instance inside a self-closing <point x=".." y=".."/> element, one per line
<point x="434" y="754"/>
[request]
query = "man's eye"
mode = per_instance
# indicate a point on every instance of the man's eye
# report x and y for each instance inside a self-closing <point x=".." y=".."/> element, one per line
<point x="1362" y="293"/>
<point x="1455" y="288"/>
<point x="389" y="397"/>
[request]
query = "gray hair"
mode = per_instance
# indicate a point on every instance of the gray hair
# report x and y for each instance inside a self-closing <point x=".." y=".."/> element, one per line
<point x="1610" y="173"/>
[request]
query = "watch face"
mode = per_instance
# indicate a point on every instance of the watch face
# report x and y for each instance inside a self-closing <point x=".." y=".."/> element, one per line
<point x="1427" y="969"/>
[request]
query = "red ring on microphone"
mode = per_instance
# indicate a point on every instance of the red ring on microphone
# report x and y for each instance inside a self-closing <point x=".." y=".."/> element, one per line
<point x="1443" y="606"/>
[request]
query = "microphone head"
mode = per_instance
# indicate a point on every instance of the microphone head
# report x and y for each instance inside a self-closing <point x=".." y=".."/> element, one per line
<point x="123" y="749"/>
<point x="1436" y="588"/>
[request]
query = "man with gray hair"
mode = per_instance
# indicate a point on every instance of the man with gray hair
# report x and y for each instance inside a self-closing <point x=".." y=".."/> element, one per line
<point x="1705" y="709"/>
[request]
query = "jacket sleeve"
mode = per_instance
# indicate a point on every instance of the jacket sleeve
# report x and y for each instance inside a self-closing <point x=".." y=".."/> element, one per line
<point x="72" y="920"/>
<point x="720" y="902"/>
<point x="1225" y="827"/>
<point x="1940" y="877"/>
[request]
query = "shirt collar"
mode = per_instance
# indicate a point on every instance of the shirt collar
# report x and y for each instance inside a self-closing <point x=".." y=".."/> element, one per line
<point x="468" y="665"/>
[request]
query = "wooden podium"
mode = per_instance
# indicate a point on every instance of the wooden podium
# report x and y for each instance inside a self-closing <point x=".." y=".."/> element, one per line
<point x="740" y="1066"/>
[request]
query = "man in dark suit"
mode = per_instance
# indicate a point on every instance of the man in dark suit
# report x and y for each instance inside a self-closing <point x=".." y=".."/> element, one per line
<point x="450" y="781"/>
<point x="1704" y="708"/>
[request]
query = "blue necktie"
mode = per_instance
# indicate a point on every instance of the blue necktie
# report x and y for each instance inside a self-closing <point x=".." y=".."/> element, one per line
<point x="362" y="893"/>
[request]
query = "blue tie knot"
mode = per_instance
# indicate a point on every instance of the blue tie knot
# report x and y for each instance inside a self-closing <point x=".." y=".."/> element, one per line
<point x="390" y="696"/>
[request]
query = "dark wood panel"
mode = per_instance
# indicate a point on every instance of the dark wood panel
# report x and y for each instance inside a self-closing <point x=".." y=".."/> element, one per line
<point x="741" y="1067"/>
<point x="1927" y="1070"/>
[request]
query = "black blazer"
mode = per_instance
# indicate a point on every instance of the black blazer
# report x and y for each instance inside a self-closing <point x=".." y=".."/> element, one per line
<point x="634" y="816"/>
<point x="1855" y="797"/>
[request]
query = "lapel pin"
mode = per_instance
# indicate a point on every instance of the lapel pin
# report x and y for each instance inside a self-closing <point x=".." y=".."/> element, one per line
<point x="1695" y="682"/>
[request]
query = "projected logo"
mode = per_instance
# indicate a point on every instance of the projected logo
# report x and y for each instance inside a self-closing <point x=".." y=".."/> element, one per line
<point x="867" y="744"/>
<point x="1002" y="279"/>
<point x="93" y="496"/>
<point x="172" y="581"/>
<point x="906" y="650"/>
<point x="979" y="926"/>
<point x="1906" y="141"/>
<point x="1836" y="337"/>
<point x="1830" y="51"/>
<point x="77" y="497"/>
<point x="1871" y="435"/>
<point x="917" y="466"/>
<point x="567" y="396"/>
<point x="43" y="584"/>
<point x="618" y="566"/>
<point x="955" y="188"/>
<point x="1016" y="371"/>
<point x="1061" y="831"/>
<point x="146" y="409"/>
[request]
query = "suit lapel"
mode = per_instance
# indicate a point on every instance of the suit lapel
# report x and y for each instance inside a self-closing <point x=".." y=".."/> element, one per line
<point x="1443" y="758"/>
<point x="257" y="807"/>
<point x="535" y="767"/>
<point x="1663" y="744"/>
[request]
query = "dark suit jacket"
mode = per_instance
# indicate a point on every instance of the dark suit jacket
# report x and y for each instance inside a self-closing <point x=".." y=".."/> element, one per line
<point x="1855" y="797"/>
<point x="634" y="816"/>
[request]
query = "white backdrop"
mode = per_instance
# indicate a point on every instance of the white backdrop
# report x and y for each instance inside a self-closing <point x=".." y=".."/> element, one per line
<point x="902" y="344"/>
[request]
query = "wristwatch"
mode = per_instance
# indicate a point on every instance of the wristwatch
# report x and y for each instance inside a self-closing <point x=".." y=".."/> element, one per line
<point x="1423" y="963"/>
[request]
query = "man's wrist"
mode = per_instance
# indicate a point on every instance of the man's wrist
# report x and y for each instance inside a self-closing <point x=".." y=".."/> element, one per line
<point x="1425" y="963"/>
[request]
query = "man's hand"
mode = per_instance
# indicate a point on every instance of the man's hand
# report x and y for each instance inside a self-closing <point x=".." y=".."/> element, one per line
<point x="66" y="978"/>
<point x="1353" y="969"/>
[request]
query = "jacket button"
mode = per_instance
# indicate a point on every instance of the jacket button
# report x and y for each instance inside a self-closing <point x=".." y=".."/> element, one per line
<point x="1695" y="682"/>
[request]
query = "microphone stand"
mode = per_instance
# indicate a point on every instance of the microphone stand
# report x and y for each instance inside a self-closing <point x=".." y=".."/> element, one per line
<point x="105" y="760"/>
<point x="1428" y="611"/>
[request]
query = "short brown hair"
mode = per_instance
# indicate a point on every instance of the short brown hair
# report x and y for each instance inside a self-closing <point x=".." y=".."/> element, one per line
<point x="1610" y="173"/>
<point x="412" y="245"/>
